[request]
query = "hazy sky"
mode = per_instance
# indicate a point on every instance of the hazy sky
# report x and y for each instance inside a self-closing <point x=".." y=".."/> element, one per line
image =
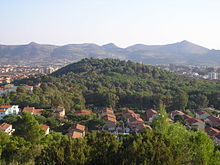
<point x="123" y="22"/>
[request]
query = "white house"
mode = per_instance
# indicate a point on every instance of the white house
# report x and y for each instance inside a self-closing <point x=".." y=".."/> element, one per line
<point x="8" y="110"/>
<point x="7" y="128"/>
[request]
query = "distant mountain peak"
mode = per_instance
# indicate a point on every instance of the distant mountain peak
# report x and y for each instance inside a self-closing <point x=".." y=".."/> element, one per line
<point x="33" y="43"/>
<point x="110" y="45"/>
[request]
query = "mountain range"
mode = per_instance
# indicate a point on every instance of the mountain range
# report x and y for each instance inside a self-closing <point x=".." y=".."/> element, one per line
<point x="183" y="52"/>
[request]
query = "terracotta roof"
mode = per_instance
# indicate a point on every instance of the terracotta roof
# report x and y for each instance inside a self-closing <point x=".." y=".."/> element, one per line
<point x="4" y="126"/>
<point x="133" y="115"/>
<point x="136" y="119"/>
<point x="213" y="119"/>
<point x="28" y="109"/>
<point x="37" y="111"/>
<point x="33" y="110"/>
<point x="176" y="112"/>
<point x="150" y="113"/>
<point x="191" y="121"/>
<point x="44" y="126"/>
<point x="127" y="111"/>
<point x="27" y="86"/>
<point x="80" y="127"/>
<point x="5" y="106"/>
<point x="212" y="131"/>
<point x="107" y="118"/>
<point x="76" y="134"/>
<point x="83" y="112"/>
<point x="108" y="110"/>
<point x="187" y="116"/>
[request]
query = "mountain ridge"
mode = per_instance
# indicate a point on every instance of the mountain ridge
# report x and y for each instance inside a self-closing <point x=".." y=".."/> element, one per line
<point x="183" y="52"/>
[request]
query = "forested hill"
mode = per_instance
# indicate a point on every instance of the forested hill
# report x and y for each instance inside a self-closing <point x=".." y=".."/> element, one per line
<point x="128" y="84"/>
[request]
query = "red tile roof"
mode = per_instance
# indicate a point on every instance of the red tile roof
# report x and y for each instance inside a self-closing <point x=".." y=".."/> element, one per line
<point x="37" y="111"/>
<point x="4" y="126"/>
<point x="44" y="126"/>
<point x="80" y="127"/>
<point x="108" y="118"/>
<point x="176" y="112"/>
<point x="33" y="110"/>
<point x="191" y="121"/>
<point x="136" y="119"/>
<point x="28" y="109"/>
<point x="127" y="111"/>
<point x="6" y="106"/>
<point x="83" y="112"/>
<point x="150" y="113"/>
<point x="212" y="131"/>
<point x="76" y="134"/>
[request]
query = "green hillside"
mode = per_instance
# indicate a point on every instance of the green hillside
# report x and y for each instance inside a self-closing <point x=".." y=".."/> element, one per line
<point x="129" y="84"/>
<point x="115" y="83"/>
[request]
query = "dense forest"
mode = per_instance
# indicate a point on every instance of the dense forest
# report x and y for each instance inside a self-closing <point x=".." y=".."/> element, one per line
<point x="166" y="144"/>
<point x="95" y="83"/>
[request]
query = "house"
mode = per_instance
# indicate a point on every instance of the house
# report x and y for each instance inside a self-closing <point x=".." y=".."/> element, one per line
<point x="212" y="131"/>
<point x="33" y="111"/>
<point x="213" y="121"/>
<point x="46" y="128"/>
<point x="83" y="112"/>
<point x="202" y="115"/>
<point x="110" y="122"/>
<point x="107" y="111"/>
<point x="127" y="113"/>
<point x="7" y="128"/>
<point x="195" y="123"/>
<point x="140" y="127"/>
<point x="151" y="114"/>
<point x="29" y="88"/>
<point x="8" y="110"/>
<point x="175" y="113"/>
<point x="59" y="112"/>
<point x="77" y="131"/>
<point x="109" y="117"/>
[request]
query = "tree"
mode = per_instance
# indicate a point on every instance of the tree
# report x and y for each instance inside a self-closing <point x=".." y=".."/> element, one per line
<point x="181" y="100"/>
<point x="111" y="100"/>
<point x="28" y="128"/>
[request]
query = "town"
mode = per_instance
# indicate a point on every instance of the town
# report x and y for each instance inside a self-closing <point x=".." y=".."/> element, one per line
<point x="119" y="123"/>
<point x="9" y="73"/>
<point x="194" y="71"/>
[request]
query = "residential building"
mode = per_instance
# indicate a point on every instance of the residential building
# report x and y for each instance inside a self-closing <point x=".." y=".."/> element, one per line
<point x="212" y="131"/>
<point x="77" y="131"/>
<point x="176" y="113"/>
<point x="7" y="128"/>
<point x="129" y="113"/>
<point x="8" y="110"/>
<point x="201" y="115"/>
<point x="46" y="128"/>
<point x="213" y="121"/>
<point x="33" y="111"/>
<point x="151" y="114"/>
<point x="59" y="112"/>
<point x="195" y="123"/>
<point x="83" y="112"/>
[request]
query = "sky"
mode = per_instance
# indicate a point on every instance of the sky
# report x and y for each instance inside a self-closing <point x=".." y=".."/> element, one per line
<point x="123" y="22"/>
